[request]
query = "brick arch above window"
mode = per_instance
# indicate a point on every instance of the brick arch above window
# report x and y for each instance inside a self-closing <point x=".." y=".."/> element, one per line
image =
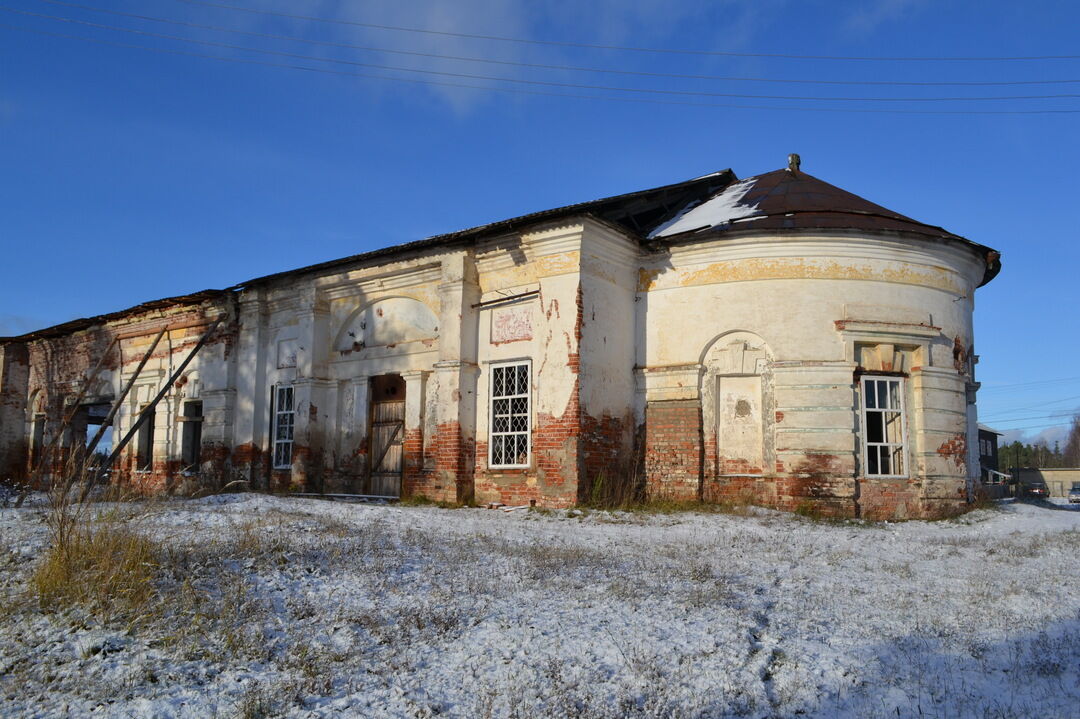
<point x="736" y="352"/>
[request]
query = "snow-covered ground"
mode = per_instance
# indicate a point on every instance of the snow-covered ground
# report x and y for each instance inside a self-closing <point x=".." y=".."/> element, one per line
<point x="275" y="606"/>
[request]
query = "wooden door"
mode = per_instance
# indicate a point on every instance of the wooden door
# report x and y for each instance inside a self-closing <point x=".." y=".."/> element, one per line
<point x="387" y="433"/>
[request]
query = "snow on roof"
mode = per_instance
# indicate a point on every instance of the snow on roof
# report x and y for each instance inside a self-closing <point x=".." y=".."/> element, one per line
<point x="722" y="209"/>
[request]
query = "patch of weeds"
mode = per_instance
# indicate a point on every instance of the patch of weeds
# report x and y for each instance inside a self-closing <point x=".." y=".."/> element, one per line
<point x="809" y="509"/>
<point x="814" y="512"/>
<point x="336" y="527"/>
<point x="256" y="702"/>
<point x="740" y="505"/>
<point x="256" y="538"/>
<point x="902" y="570"/>
<point x="101" y="565"/>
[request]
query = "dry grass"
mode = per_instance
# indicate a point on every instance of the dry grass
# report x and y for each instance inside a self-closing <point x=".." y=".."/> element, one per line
<point x="92" y="560"/>
<point x="283" y="608"/>
<point x="102" y="566"/>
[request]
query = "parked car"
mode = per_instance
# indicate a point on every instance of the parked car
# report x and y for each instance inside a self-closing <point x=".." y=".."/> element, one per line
<point x="1074" y="493"/>
<point x="1036" y="488"/>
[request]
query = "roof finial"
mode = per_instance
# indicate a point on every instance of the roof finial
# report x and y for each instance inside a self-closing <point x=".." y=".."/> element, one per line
<point x="793" y="162"/>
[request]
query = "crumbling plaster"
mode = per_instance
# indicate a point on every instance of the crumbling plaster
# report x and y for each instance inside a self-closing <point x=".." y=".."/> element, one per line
<point x="693" y="369"/>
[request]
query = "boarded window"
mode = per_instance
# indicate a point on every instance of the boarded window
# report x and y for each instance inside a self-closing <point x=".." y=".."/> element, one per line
<point x="511" y="415"/>
<point x="283" y="418"/>
<point x="191" y="436"/>
<point x="883" y="426"/>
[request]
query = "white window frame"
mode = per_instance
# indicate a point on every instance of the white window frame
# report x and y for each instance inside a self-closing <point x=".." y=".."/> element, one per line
<point x="527" y="364"/>
<point x="866" y="444"/>
<point x="278" y="416"/>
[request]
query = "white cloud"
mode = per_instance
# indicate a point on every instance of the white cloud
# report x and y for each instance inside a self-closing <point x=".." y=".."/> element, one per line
<point x="872" y="15"/>
<point x="722" y="25"/>
<point x="1048" y="435"/>
<point x="642" y="23"/>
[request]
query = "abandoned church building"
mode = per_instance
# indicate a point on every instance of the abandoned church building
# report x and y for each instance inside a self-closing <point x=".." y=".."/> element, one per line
<point x="774" y="339"/>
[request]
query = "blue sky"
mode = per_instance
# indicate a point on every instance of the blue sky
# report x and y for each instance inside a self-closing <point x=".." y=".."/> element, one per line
<point x="132" y="174"/>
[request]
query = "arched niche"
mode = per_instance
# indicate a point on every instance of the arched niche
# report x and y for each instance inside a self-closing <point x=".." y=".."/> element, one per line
<point x="386" y="323"/>
<point x="736" y="407"/>
<point x="36" y="403"/>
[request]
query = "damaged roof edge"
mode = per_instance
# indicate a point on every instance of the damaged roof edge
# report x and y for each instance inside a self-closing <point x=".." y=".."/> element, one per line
<point x="585" y="209"/>
<point x="71" y="326"/>
<point x="991" y="256"/>
<point x="500" y="226"/>
<point x="594" y="209"/>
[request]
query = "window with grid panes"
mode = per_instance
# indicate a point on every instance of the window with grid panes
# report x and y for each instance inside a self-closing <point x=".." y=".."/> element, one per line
<point x="883" y="426"/>
<point x="511" y="421"/>
<point x="283" y="426"/>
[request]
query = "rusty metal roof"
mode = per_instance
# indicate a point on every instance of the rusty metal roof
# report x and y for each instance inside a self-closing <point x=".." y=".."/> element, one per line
<point x="632" y="212"/>
<point x="796" y="200"/>
<point x="780" y="200"/>
<point x="793" y="200"/>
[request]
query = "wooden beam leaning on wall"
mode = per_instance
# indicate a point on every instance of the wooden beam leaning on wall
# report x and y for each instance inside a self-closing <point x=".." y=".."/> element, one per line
<point x="66" y="421"/>
<point x="105" y="423"/>
<point x="148" y="410"/>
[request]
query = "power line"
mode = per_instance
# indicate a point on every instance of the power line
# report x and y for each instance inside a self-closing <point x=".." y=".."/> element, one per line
<point x="1034" y="426"/>
<point x="1035" y="406"/>
<point x="542" y="83"/>
<point x="1011" y="387"/>
<point x="1065" y="416"/>
<point x="563" y="43"/>
<point x="544" y="66"/>
<point x="521" y="91"/>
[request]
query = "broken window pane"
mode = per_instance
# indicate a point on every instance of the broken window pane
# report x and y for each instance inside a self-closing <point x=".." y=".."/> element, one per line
<point x="883" y="426"/>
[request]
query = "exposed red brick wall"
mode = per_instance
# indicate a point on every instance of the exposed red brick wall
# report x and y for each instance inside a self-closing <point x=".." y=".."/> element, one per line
<point x="412" y="462"/>
<point x="15" y="368"/>
<point x="306" y="469"/>
<point x="553" y="480"/>
<point x="446" y="474"/>
<point x="673" y="450"/>
<point x="710" y="458"/>
<point x="903" y="499"/>
<point x="607" y="471"/>
<point x="956" y="450"/>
